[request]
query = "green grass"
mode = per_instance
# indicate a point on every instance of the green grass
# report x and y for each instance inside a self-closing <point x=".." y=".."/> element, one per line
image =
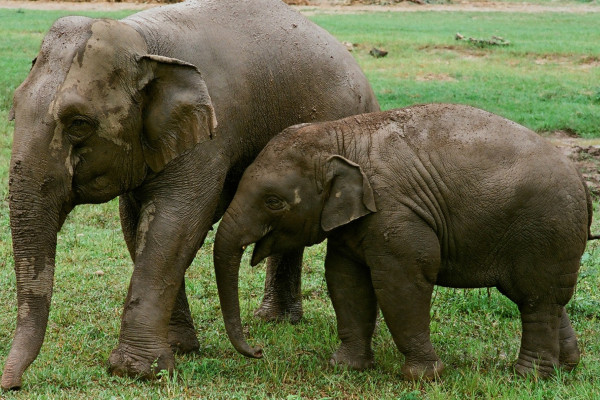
<point x="547" y="79"/>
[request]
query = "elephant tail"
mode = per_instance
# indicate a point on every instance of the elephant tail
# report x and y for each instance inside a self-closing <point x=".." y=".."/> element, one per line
<point x="590" y="209"/>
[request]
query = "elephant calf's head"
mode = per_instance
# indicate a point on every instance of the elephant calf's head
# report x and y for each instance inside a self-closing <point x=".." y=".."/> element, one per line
<point x="295" y="193"/>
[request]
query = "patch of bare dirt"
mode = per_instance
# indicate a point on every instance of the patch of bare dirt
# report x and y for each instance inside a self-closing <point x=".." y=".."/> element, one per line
<point x="579" y="63"/>
<point x="77" y="6"/>
<point x="348" y="6"/>
<point x="426" y="77"/>
<point x="584" y="152"/>
<point x="322" y="6"/>
<point x="465" y="52"/>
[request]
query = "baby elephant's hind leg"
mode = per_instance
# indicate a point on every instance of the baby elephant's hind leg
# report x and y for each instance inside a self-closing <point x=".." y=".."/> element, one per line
<point x="569" y="351"/>
<point x="403" y="274"/>
<point x="539" y="344"/>
<point x="548" y="339"/>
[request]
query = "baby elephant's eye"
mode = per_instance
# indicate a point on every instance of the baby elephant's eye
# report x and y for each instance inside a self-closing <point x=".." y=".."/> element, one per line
<point x="274" y="203"/>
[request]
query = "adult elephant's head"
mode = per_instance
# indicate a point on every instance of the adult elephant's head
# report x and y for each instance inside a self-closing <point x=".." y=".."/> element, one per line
<point x="292" y="196"/>
<point x="94" y="117"/>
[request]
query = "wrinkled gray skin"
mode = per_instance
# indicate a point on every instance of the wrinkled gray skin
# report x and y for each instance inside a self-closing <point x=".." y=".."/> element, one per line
<point x="129" y="108"/>
<point x="428" y="195"/>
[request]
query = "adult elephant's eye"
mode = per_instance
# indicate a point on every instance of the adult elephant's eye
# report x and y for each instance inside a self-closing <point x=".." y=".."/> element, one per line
<point x="78" y="123"/>
<point x="274" y="203"/>
<point x="79" y="128"/>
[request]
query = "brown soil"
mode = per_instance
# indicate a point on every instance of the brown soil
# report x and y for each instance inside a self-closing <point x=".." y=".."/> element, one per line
<point x="585" y="153"/>
<point x="308" y="6"/>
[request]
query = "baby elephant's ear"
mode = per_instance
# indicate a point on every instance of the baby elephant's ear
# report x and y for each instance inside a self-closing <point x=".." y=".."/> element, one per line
<point x="350" y="195"/>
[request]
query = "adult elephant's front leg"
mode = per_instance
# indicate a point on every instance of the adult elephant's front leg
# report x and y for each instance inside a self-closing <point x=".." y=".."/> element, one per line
<point x="283" y="292"/>
<point x="173" y="224"/>
<point x="182" y="334"/>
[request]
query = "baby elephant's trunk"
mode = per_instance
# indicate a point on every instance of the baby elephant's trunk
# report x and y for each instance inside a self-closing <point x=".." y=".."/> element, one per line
<point x="227" y="257"/>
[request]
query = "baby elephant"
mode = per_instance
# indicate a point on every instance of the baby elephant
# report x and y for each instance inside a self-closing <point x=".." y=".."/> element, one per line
<point x="434" y="194"/>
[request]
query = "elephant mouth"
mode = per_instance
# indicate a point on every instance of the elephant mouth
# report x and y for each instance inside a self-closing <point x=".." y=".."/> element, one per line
<point x="262" y="249"/>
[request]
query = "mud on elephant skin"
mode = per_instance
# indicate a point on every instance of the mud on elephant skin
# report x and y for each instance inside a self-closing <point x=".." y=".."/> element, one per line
<point x="411" y="198"/>
<point x="129" y="108"/>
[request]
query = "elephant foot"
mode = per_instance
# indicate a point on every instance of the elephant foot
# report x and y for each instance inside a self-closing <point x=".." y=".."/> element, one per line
<point x="125" y="361"/>
<point x="347" y="357"/>
<point x="271" y="310"/>
<point x="530" y="365"/>
<point x="429" y="370"/>
<point x="182" y="339"/>
<point x="569" y="354"/>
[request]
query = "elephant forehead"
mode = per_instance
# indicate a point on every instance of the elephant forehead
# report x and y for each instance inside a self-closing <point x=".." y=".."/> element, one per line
<point x="112" y="48"/>
<point x="99" y="74"/>
<point x="120" y="37"/>
<point x="290" y="183"/>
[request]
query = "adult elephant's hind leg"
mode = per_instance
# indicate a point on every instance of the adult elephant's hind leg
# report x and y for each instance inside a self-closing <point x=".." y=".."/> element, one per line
<point x="182" y="334"/>
<point x="283" y="294"/>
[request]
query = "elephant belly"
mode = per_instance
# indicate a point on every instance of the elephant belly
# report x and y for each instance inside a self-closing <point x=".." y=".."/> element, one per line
<point x="455" y="275"/>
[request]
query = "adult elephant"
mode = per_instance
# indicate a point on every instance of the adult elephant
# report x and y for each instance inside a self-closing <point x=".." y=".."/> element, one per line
<point x="129" y="108"/>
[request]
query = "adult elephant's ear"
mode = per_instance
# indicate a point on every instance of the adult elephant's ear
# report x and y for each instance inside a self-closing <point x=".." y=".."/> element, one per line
<point x="177" y="109"/>
<point x="349" y="193"/>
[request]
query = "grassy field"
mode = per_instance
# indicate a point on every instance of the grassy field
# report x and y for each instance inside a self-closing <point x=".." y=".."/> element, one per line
<point x="547" y="79"/>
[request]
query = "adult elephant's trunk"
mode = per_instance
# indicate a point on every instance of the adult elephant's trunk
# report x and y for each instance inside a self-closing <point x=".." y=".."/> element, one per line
<point x="228" y="250"/>
<point x="37" y="210"/>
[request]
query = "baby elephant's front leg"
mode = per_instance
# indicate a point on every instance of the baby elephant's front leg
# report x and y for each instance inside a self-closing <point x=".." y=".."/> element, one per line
<point x="353" y="298"/>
